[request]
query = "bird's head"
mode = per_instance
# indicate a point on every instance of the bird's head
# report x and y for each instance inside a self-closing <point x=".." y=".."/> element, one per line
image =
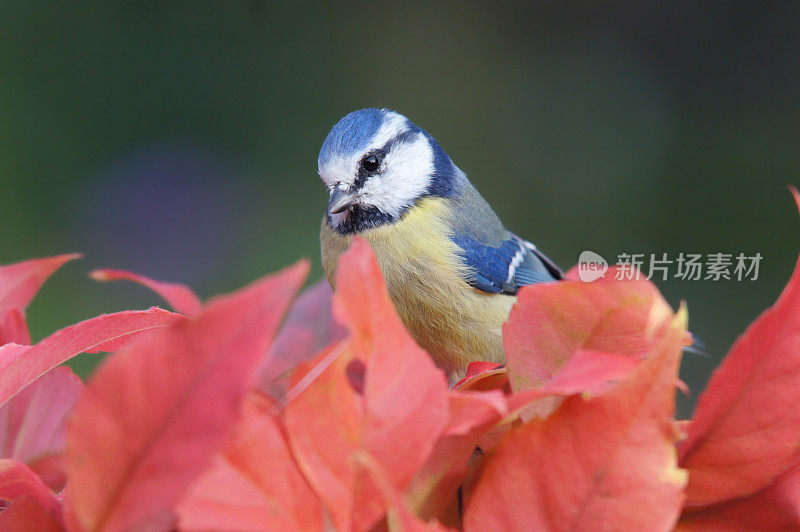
<point x="377" y="164"/>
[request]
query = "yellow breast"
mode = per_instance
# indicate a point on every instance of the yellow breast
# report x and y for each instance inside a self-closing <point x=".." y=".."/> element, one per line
<point x="454" y="322"/>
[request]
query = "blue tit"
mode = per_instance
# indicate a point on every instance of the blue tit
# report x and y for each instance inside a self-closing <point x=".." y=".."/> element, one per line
<point x="451" y="268"/>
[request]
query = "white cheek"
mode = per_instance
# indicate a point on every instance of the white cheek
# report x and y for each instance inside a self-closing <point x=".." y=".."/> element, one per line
<point x="408" y="176"/>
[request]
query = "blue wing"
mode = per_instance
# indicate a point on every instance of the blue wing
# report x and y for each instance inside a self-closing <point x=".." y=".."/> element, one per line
<point x="505" y="268"/>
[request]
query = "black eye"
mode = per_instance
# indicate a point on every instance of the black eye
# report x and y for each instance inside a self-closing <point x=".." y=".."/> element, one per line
<point x="370" y="163"/>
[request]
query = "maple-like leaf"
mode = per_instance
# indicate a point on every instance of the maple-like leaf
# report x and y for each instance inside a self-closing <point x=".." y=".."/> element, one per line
<point x="180" y="297"/>
<point x="482" y="376"/>
<point x="19" y="283"/>
<point x="153" y="415"/>
<point x="398" y="515"/>
<point x="587" y="373"/>
<point x="17" y="480"/>
<point x="254" y="483"/>
<point x="51" y="470"/>
<point x="13" y="328"/>
<point x="308" y="328"/>
<point x="776" y="507"/>
<point x="746" y="426"/>
<point x="553" y="321"/>
<point x="390" y="400"/>
<point x="32" y="423"/>
<point x="435" y="485"/>
<point x="608" y="459"/>
<point x="26" y="514"/>
<point x="22" y="365"/>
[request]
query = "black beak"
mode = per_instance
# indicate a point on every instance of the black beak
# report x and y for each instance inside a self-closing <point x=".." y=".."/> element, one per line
<point x="341" y="200"/>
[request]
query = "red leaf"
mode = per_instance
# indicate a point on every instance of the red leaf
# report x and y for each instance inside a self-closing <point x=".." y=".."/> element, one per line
<point x="586" y="372"/>
<point x="396" y="420"/>
<point x="225" y="499"/>
<point x="17" y="480"/>
<point x="435" y="485"/>
<point x="398" y="517"/>
<point x="324" y="437"/>
<point x="152" y="415"/>
<point x="550" y="322"/>
<point x="106" y="331"/>
<point x="308" y="328"/>
<point x="20" y="281"/>
<point x="589" y="372"/>
<point x="795" y="195"/>
<point x="476" y="368"/>
<point x="32" y="423"/>
<point x="609" y="459"/>
<point x="482" y="376"/>
<point x="254" y="484"/>
<point x="774" y="508"/>
<point x="180" y="297"/>
<point x="13" y="328"/>
<point x="25" y="515"/>
<point x="51" y="470"/>
<point x="746" y="426"/>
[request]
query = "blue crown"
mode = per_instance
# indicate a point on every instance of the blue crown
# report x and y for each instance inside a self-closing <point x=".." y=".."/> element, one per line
<point x="352" y="133"/>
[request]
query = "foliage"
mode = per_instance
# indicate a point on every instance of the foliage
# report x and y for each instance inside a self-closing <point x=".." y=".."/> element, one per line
<point x="248" y="412"/>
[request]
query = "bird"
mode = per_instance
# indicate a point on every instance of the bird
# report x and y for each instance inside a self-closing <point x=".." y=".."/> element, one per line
<point x="452" y="270"/>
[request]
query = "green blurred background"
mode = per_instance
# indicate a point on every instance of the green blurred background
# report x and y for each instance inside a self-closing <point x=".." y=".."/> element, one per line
<point x="179" y="139"/>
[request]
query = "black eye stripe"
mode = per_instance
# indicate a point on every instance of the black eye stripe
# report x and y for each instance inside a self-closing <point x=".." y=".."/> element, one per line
<point x="365" y="171"/>
<point x="368" y="170"/>
<point x="367" y="164"/>
<point x="405" y="136"/>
